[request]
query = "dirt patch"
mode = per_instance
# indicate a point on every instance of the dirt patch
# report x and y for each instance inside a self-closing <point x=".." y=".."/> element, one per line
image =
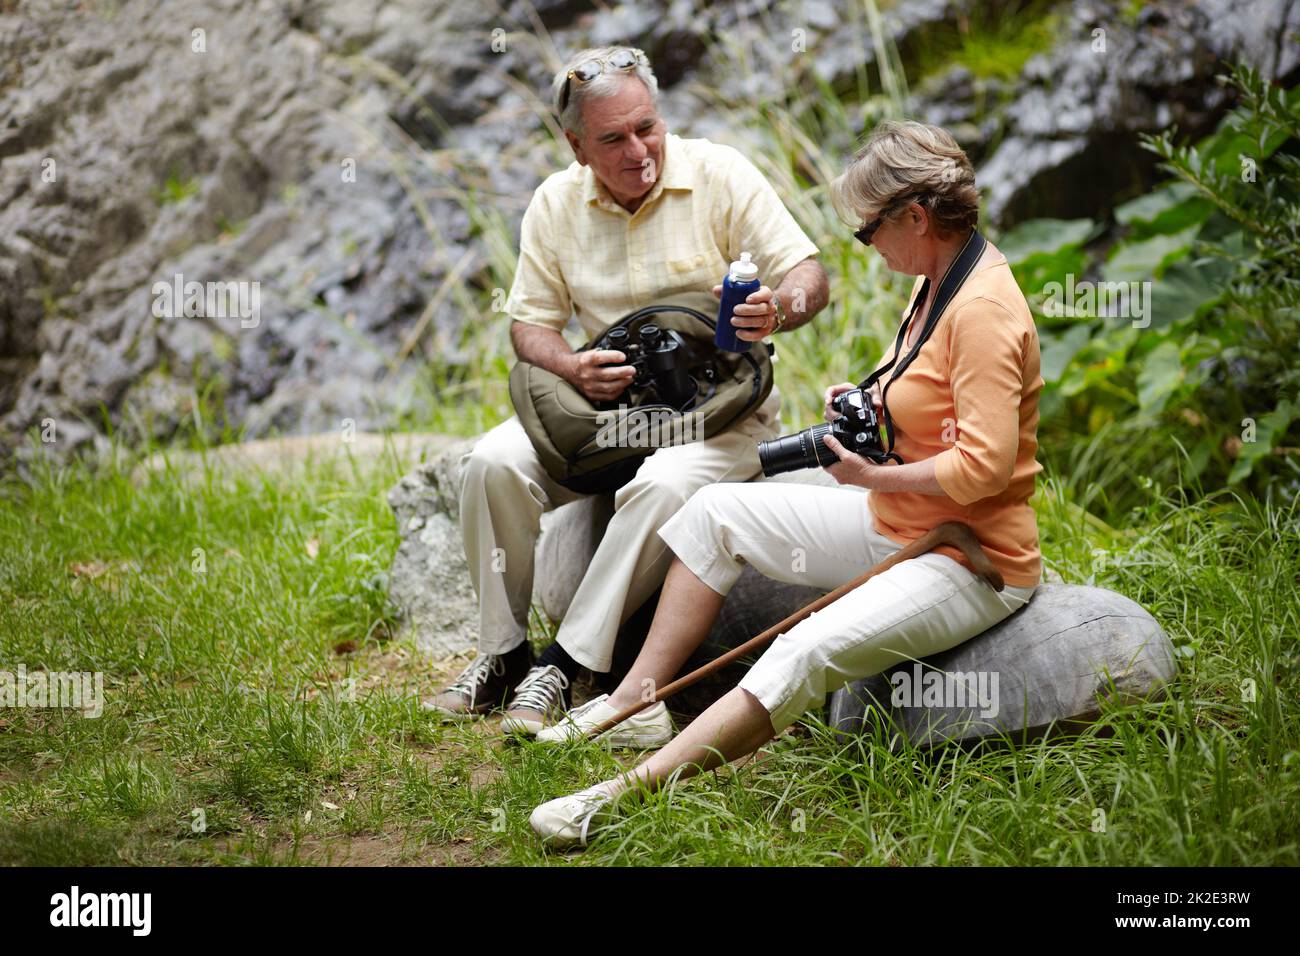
<point x="389" y="849"/>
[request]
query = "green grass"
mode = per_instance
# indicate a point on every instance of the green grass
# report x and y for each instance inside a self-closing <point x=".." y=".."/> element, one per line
<point x="994" y="41"/>
<point x="260" y="711"/>
<point x="176" y="190"/>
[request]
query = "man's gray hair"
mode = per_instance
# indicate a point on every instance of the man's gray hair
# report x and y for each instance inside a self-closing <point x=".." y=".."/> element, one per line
<point x="605" y="84"/>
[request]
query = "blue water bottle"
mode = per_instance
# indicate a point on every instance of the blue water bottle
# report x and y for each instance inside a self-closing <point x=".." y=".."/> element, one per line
<point x="736" y="287"/>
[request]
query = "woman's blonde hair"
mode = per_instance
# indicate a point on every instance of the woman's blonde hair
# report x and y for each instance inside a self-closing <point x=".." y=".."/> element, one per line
<point x="906" y="159"/>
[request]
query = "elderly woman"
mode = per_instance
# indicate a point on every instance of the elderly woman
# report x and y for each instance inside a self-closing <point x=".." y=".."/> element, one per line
<point x="965" y="413"/>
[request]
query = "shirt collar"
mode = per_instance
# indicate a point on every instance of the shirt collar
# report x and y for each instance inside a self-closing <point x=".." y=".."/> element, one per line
<point x="676" y="174"/>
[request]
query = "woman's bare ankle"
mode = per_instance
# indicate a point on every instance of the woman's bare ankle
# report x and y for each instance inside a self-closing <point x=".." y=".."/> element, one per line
<point x="623" y="698"/>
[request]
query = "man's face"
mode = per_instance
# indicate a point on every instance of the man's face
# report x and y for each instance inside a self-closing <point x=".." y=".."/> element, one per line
<point x="623" y="142"/>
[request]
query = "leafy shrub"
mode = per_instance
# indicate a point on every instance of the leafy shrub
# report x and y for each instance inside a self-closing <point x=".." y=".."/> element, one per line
<point x="1205" y="355"/>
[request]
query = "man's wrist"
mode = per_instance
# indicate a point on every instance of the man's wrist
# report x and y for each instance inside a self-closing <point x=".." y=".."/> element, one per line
<point x="569" y="367"/>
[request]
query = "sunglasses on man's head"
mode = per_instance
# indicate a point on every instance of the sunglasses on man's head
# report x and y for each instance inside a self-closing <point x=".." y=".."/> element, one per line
<point x="628" y="58"/>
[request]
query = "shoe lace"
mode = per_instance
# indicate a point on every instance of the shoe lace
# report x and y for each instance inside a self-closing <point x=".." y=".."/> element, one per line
<point x="541" y="690"/>
<point x="477" y="673"/>
<point x="591" y="805"/>
<point x="584" y="709"/>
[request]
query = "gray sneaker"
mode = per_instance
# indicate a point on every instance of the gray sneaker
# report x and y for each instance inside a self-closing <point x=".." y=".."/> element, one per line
<point x="482" y="686"/>
<point x="541" y="697"/>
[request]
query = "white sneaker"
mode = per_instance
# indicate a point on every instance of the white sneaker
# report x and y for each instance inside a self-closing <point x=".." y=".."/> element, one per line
<point x="567" y="821"/>
<point x="647" y="730"/>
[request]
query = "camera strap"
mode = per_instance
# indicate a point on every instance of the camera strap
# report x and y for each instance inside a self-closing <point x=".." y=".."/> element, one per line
<point x="953" y="278"/>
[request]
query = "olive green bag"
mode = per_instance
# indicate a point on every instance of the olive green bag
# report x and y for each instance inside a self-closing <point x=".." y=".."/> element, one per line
<point x="592" y="448"/>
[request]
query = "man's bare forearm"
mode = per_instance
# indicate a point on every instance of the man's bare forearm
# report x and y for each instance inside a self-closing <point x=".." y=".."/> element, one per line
<point x="543" y="347"/>
<point x="804" y="292"/>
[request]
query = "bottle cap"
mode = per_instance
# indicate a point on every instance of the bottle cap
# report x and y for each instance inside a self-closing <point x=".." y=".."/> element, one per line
<point x="743" y="270"/>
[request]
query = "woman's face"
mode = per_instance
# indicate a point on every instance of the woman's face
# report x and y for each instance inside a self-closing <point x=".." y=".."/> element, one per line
<point x="901" y="241"/>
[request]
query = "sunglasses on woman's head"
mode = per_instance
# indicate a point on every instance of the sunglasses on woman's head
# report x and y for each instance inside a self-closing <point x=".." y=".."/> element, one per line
<point x="626" y="59"/>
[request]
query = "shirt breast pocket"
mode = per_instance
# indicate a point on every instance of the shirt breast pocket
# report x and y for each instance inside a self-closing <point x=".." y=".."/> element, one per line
<point x="694" y="273"/>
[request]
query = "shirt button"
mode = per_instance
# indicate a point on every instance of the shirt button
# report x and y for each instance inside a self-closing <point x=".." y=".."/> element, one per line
<point x="637" y="267"/>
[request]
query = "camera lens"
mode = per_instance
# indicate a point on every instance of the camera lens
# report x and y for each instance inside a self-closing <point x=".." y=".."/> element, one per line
<point x="792" y="452"/>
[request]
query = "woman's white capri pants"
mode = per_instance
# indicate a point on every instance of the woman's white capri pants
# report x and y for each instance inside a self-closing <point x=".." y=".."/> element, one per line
<point x="824" y="537"/>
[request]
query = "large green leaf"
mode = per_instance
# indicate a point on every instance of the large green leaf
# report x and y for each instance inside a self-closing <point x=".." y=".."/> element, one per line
<point x="1036" y="274"/>
<point x="1044" y="236"/>
<point x="1170" y="208"/>
<point x="1160" y="375"/>
<point x="1186" y="287"/>
<point x="1057" y="351"/>
<point x="1146" y="208"/>
<point x="1269" y="428"/>
<point x="1147" y="258"/>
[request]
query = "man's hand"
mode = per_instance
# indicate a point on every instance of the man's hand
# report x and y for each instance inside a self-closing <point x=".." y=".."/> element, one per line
<point x="755" y="318"/>
<point x="599" y="374"/>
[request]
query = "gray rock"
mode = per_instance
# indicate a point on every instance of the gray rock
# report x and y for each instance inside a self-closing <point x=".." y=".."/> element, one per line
<point x="1067" y="136"/>
<point x="570" y="536"/>
<point x="429" y="579"/>
<point x="1046" y="669"/>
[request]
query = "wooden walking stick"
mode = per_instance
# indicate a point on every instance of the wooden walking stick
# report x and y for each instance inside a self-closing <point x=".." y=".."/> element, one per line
<point x="953" y="533"/>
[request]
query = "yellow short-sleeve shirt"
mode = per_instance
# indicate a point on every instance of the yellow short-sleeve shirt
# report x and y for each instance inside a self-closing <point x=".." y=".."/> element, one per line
<point x="582" y="254"/>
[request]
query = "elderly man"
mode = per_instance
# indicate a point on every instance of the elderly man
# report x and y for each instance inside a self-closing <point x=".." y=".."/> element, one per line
<point x="641" y="217"/>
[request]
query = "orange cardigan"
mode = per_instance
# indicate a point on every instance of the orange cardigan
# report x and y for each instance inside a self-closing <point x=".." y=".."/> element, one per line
<point x="969" y="400"/>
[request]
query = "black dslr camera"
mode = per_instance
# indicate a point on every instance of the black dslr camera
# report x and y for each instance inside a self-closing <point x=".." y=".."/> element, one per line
<point x="660" y="358"/>
<point x="857" y="428"/>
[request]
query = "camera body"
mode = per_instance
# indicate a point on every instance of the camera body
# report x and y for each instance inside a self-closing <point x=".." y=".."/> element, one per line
<point x="858" y="428"/>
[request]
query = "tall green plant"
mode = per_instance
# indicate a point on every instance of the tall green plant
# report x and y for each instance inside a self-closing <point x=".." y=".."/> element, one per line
<point x="1181" y="340"/>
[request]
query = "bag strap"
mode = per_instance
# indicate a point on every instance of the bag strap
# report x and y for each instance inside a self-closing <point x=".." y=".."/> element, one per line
<point x="953" y="278"/>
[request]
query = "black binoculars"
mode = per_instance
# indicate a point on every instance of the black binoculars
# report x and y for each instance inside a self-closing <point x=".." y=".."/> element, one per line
<point x="660" y="357"/>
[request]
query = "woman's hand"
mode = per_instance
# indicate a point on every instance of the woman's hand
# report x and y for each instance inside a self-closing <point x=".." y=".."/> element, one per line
<point x="852" y="468"/>
<point x="830" y="414"/>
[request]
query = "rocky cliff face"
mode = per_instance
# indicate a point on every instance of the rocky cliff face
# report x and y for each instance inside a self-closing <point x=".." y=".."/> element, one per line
<point x="323" y="151"/>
